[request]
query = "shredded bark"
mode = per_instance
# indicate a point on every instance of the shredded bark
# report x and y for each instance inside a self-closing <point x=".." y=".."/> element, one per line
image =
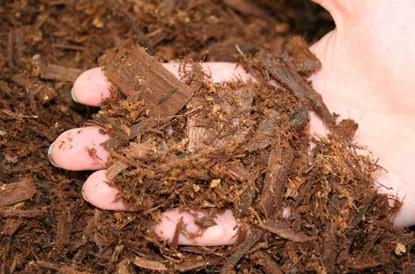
<point x="209" y="153"/>
<point x="149" y="264"/>
<point x="59" y="73"/>
<point x="17" y="192"/>
<point x="162" y="93"/>
<point x="287" y="77"/>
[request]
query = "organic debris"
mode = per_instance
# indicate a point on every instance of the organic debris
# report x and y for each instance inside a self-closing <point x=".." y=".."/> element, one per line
<point x="245" y="146"/>
<point x="45" y="44"/>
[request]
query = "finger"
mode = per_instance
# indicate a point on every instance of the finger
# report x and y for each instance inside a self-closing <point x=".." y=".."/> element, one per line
<point x="92" y="87"/>
<point x="97" y="192"/>
<point x="79" y="149"/>
<point x="224" y="232"/>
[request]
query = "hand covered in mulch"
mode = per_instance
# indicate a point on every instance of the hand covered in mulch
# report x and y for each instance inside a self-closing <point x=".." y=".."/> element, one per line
<point x="80" y="149"/>
<point x="367" y="74"/>
<point x="367" y="63"/>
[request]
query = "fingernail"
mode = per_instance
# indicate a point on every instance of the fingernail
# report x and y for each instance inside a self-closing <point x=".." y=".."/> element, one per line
<point x="50" y="149"/>
<point x="83" y="194"/>
<point x="73" y="95"/>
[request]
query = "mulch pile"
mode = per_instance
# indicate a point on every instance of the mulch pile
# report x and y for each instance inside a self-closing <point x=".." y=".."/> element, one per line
<point x="303" y="203"/>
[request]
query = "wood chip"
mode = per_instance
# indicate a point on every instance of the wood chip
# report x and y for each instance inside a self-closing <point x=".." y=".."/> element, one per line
<point x="285" y="232"/>
<point x="64" y="227"/>
<point x="59" y="73"/>
<point x="115" y="169"/>
<point x="29" y="213"/>
<point x="267" y="263"/>
<point x="17" y="192"/>
<point x="297" y="55"/>
<point x="288" y="78"/>
<point x="275" y="183"/>
<point x="134" y="72"/>
<point x="149" y="264"/>
<point x="242" y="249"/>
<point x="196" y="264"/>
<point x="246" y="7"/>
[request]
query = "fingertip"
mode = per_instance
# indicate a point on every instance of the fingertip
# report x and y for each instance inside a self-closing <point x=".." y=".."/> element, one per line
<point x="99" y="193"/>
<point x="91" y="87"/>
<point x="79" y="149"/>
<point x="50" y="156"/>
<point x="223" y="233"/>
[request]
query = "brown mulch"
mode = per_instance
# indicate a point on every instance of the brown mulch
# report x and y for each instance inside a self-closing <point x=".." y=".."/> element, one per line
<point x="315" y="212"/>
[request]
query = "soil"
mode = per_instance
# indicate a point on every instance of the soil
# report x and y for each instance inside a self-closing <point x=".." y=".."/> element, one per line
<point x="336" y="222"/>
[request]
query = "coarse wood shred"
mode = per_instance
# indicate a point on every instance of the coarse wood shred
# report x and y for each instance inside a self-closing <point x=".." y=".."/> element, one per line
<point x="284" y="231"/>
<point x="241" y="250"/>
<point x="279" y="162"/>
<point x="243" y="146"/>
<point x="224" y="167"/>
<point x="136" y="73"/>
<point x="149" y="264"/>
<point x="59" y="73"/>
<point x="17" y="192"/>
<point x="288" y="77"/>
<point x="297" y="55"/>
<point x="267" y="263"/>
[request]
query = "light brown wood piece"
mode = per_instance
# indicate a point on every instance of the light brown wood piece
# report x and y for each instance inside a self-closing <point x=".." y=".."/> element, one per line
<point x="17" y="192"/>
<point x="136" y="73"/>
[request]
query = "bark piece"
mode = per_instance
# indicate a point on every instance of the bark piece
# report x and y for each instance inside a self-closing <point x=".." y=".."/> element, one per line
<point x="196" y="264"/>
<point x="64" y="227"/>
<point x="247" y="8"/>
<point x="17" y="192"/>
<point x="345" y="130"/>
<point x="30" y="213"/>
<point x="297" y="54"/>
<point x="275" y="182"/>
<point x="241" y="251"/>
<point x="59" y="73"/>
<point x="329" y="249"/>
<point x="288" y="78"/>
<point x="267" y="263"/>
<point x="124" y="267"/>
<point x="115" y="169"/>
<point x="134" y="72"/>
<point x="149" y="264"/>
<point x="285" y="231"/>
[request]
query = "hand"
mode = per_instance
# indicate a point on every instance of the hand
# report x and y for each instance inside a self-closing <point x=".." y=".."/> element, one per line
<point x="367" y="61"/>
<point x="367" y="74"/>
<point x="72" y="151"/>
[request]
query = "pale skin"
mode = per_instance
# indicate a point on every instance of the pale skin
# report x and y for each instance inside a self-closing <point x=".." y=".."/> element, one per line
<point x="367" y="74"/>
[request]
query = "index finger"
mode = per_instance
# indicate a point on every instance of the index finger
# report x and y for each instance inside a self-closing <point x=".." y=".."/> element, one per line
<point x="92" y="86"/>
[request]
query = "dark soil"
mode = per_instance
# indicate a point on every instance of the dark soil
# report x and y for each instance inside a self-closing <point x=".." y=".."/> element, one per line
<point x="337" y="223"/>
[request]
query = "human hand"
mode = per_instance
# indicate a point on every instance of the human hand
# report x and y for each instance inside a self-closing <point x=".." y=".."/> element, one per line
<point x="72" y="151"/>
<point x="367" y="75"/>
<point x="351" y="83"/>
